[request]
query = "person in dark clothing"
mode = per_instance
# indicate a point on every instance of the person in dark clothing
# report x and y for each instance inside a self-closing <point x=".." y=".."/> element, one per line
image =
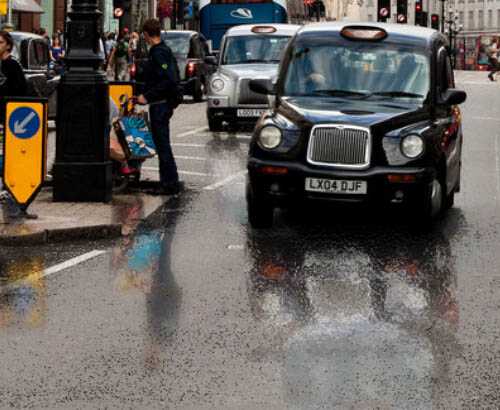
<point x="12" y="80"/>
<point x="161" y="92"/>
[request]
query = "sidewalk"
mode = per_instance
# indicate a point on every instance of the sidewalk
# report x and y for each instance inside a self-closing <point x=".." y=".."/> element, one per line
<point x="59" y="221"/>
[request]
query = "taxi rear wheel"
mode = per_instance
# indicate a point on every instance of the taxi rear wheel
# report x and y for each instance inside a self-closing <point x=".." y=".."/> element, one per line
<point x="260" y="213"/>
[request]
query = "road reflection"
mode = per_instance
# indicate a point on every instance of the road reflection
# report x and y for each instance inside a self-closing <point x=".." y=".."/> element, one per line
<point x="143" y="262"/>
<point x="23" y="293"/>
<point x="367" y="316"/>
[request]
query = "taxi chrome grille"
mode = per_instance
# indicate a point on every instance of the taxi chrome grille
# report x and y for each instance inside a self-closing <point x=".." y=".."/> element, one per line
<point x="339" y="146"/>
<point x="247" y="96"/>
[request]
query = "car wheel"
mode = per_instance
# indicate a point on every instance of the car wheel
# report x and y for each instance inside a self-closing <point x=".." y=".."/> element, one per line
<point x="260" y="214"/>
<point x="433" y="203"/>
<point x="214" y="124"/>
<point x="198" y="92"/>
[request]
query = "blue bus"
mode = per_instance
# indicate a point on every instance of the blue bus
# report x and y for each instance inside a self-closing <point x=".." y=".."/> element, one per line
<point x="216" y="16"/>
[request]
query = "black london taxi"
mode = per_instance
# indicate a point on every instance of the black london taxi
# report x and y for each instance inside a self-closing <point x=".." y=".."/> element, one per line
<point x="361" y="113"/>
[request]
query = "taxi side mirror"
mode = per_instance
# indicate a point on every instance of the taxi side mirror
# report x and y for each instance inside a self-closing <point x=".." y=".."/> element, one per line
<point x="452" y="96"/>
<point x="262" y="86"/>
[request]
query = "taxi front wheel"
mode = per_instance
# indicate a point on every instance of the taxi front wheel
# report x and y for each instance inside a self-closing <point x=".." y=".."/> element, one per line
<point x="260" y="213"/>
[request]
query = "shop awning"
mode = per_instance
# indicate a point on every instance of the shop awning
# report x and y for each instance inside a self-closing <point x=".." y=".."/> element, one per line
<point x="26" y="6"/>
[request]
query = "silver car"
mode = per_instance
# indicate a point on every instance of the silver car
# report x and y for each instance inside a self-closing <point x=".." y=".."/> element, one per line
<point x="247" y="52"/>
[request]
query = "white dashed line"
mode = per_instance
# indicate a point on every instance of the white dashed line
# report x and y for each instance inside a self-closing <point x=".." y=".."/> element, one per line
<point x="188" y="133"/>
<point x="201" y="174"/>
<point x="181" y="144"/>
<point x="54" y="269"/>
<point x="224" y="181"/>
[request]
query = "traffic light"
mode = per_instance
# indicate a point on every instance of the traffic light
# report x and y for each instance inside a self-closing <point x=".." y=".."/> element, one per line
<point x="383" y="10"/>
<point x="402" y="11"/>
<point x="435" y="21"/>
<point x="118" y="8"/>
<point x="418" y="13"/>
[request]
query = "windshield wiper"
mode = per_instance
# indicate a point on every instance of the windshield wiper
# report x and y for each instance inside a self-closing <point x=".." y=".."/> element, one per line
<point x="340" y="93"/>
<point x="396" y="94"/>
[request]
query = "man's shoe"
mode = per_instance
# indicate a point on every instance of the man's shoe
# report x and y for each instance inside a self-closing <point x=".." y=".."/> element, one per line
<point x="490" y="76"/>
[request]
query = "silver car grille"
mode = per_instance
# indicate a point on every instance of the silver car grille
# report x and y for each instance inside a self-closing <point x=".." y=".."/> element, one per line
<point x="247" y="96"/>
<point x="340" y="146"/>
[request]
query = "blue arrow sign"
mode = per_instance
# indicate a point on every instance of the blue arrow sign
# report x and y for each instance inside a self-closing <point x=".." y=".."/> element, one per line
<point x="24" y="122"/>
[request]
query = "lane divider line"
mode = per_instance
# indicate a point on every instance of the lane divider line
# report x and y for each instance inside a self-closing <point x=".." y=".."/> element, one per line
<point x="188" y="133"/>
<point x="182" y="144"/>
<point x="71" y="262"/>
<point x="53" y="269"/>
<point x="225" y="181"/>
<point x="201" y="174"/>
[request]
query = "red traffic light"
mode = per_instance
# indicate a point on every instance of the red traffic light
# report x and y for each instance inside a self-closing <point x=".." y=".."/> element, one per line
<point x="118" y="12"/>
<point x="418" y="6"/>
<point x="434" y="17"/>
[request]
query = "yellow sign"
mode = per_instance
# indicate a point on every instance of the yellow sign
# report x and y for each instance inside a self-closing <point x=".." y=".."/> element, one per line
<point x="117" y="90"/>
<point x="25" y="148"/>
<point x="3" y="7"/>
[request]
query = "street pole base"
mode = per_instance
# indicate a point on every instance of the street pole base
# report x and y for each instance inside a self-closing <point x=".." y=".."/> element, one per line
<point x="82" y="182"/>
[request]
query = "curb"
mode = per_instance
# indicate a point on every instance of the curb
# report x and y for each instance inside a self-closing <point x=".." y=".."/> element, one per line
<point x="61" y="235"/>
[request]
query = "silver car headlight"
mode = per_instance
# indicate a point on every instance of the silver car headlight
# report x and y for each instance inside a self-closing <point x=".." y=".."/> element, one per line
<point x="270" y="137"/>
<point x="218" y="84"/>
<point x="412" y="146"/>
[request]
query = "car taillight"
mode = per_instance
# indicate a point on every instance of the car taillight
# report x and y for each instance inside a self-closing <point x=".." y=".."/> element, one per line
<point x="190" y="69"/>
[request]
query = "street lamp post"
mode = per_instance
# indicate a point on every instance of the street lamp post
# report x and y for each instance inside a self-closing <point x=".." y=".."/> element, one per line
<point x="82" y="169"/>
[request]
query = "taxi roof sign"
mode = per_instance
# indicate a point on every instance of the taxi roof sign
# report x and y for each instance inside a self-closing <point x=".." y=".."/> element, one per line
<point x="363" y="33"/>
<point x="25" y="148"/>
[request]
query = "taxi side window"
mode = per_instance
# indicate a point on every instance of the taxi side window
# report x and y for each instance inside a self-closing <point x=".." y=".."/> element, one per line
<point x="445" y="71"/>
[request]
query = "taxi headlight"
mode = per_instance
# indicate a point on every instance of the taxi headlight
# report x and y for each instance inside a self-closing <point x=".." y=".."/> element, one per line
<point x="218" y="84"/>
<point x="270" y="137"/>
<point x="412" y="146"/>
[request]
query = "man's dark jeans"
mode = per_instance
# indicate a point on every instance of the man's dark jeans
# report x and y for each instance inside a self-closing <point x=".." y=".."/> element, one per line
<point x="160" y="115"/>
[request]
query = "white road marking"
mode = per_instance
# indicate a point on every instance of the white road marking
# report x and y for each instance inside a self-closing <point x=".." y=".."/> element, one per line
<point x="193" y="158"/>
<point x="224" y="181"/>
<point x="235" y="247"/>
<point x="54" y="269"/>
<point x="485" y="118"/>
<point x="181" y="144"/>
<point x="71" y="262"/>
<point x="202" y="174"/>
<point x="188" y="133"/>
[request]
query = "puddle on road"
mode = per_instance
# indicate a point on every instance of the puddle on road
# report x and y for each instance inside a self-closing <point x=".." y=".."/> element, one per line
<point x="23" y="295"/>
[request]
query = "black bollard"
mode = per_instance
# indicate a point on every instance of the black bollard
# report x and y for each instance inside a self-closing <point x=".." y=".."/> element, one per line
<point x="82" y="170"/>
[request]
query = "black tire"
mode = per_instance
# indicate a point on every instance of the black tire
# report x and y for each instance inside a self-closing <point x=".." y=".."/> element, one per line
<point x="432" y="205"/>
<point x="214" y="124"/>
<point x="198" y="92"/>
<point x="260" y="214"/>
<point x="449" y="201"/>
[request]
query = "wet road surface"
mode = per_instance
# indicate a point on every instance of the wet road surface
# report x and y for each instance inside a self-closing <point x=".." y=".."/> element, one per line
<point x="333" y="308"/>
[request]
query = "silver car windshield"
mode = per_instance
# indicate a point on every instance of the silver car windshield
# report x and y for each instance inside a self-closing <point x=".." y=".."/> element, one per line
<point x="254" y="49"/>
<point x="358" y="70"/>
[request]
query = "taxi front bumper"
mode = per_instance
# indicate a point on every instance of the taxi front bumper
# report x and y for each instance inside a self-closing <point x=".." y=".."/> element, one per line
<point x="284" y="183"/>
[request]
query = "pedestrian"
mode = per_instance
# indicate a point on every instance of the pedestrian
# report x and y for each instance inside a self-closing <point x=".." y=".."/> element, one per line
<point x="119" y="57"/>
<point x="12" y="84"/>
<point x="12" y="79"/>
<point x="492" y="53"/>
<point x="163" y="94"/>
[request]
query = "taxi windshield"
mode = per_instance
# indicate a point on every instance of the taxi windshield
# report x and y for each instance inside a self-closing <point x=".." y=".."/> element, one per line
<point x="358" y="70"/>
<point x="254" y="49"/>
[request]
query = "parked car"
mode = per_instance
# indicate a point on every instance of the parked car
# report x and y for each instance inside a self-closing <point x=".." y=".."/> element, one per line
<point x="32" y="52"/>
<point x="190" y="49"/>
<point x="247" y="52"/>
<point x="362" y="113"/>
